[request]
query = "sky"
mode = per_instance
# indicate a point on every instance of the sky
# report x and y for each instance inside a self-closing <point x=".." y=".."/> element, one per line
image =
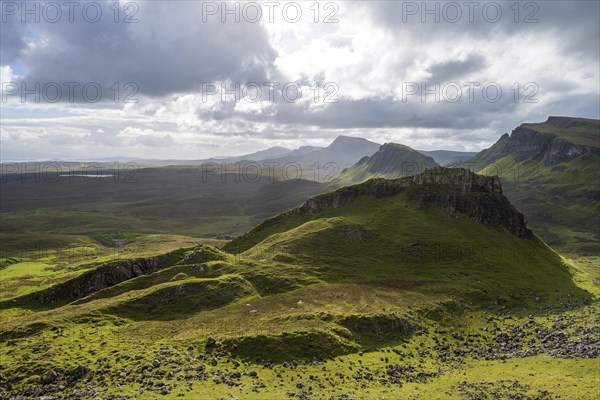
<point x="192" y="79"/>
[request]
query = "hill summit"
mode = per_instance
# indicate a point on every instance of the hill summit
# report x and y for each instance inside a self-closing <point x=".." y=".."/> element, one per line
<point x="454" y="190"/>
<point x="391" y="161"/>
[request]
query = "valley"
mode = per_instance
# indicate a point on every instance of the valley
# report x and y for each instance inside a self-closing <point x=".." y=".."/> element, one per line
<point x="550" y="171"/>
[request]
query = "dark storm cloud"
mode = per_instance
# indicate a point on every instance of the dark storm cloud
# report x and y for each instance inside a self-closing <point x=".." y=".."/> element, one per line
<point x="12" y="40"/>
<point x="458" y="121"/>
<point x="416" y="112"/>
<point x="169" y="50"/>
<point x="573" y="24"/>
<point x="392" y="113"/>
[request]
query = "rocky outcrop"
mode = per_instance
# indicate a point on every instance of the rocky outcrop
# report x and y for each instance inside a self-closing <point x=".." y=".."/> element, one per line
<point x="527" y="143"/>
<point x="455" y="190"/>
<point x="113" y="273"/>
<point x="553" y="142"/>
<point x="104" y="276"/>
<point x="456" y="180"/>
<point x="461" y="191"/>
<point x="100" y="278"/>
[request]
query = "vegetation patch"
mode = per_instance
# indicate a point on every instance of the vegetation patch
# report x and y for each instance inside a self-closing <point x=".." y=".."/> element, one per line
<point x="302" y="345"/>
<point x="173" y="300"/>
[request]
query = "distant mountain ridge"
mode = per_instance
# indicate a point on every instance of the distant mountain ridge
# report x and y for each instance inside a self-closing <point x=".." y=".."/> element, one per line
<point x="343" y="151"/>
<point x="275" y="151"/>
<point x="303" y="150"/>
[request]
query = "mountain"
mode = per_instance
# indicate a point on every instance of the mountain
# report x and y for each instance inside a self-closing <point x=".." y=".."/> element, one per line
<point x="271" y="152"/>
<point x="311" y="163"/>
<point x="344" y="151"/>
<point x="391" y="161"/>
<point x="303" y="150"/>
<point x="320" y="164"/>
<point x="447" y="157"/>
<point x="550" y="172"/>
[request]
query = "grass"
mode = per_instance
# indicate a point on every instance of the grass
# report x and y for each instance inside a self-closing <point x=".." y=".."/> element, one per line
<point x="172" y="300"/>
<point x="391" y="161"/>
<point x="559" y="201"/>
<point x="357" y="301"/>
<point x="465" y="262"/>
<point x="575" y="130"/>
<point x="31" y="262"/>
<point x="169" y="200"/>
<point x="108" y="341"/>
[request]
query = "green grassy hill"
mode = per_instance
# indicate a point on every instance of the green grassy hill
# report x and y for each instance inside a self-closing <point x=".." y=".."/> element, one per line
<point x="391" y="161"/>
<point x="390" y="288"/>
<point x="444" y="226"/>
<point x="550" y="171"/>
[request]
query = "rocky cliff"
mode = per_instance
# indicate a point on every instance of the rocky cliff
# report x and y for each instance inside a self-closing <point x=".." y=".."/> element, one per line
<point x="454" y="190"/>
<point x="115" y="272"/>
<point x="105" y="276"/>
<point x="557" y="140"/>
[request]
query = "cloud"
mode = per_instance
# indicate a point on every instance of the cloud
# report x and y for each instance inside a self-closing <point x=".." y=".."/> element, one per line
<point x="169" y="50"/>
<point x="147" y="137"/>
<point x="371" y="55"/>
<point x="456" y="69"/>
<point x="103" y="136"/>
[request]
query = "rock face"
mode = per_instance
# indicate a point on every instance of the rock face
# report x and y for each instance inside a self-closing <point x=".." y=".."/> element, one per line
<point x="104" y="276"/>
<point x="455" y="190"/>
<point x="113" y="273"/>
<point x="530" y="144"/>
<point x="431" y="181"/>
<point x="100" y="278"/>
<point x="554" y="141"/>
<point x="549" y="171"/>
<point x="461" y="191"/>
